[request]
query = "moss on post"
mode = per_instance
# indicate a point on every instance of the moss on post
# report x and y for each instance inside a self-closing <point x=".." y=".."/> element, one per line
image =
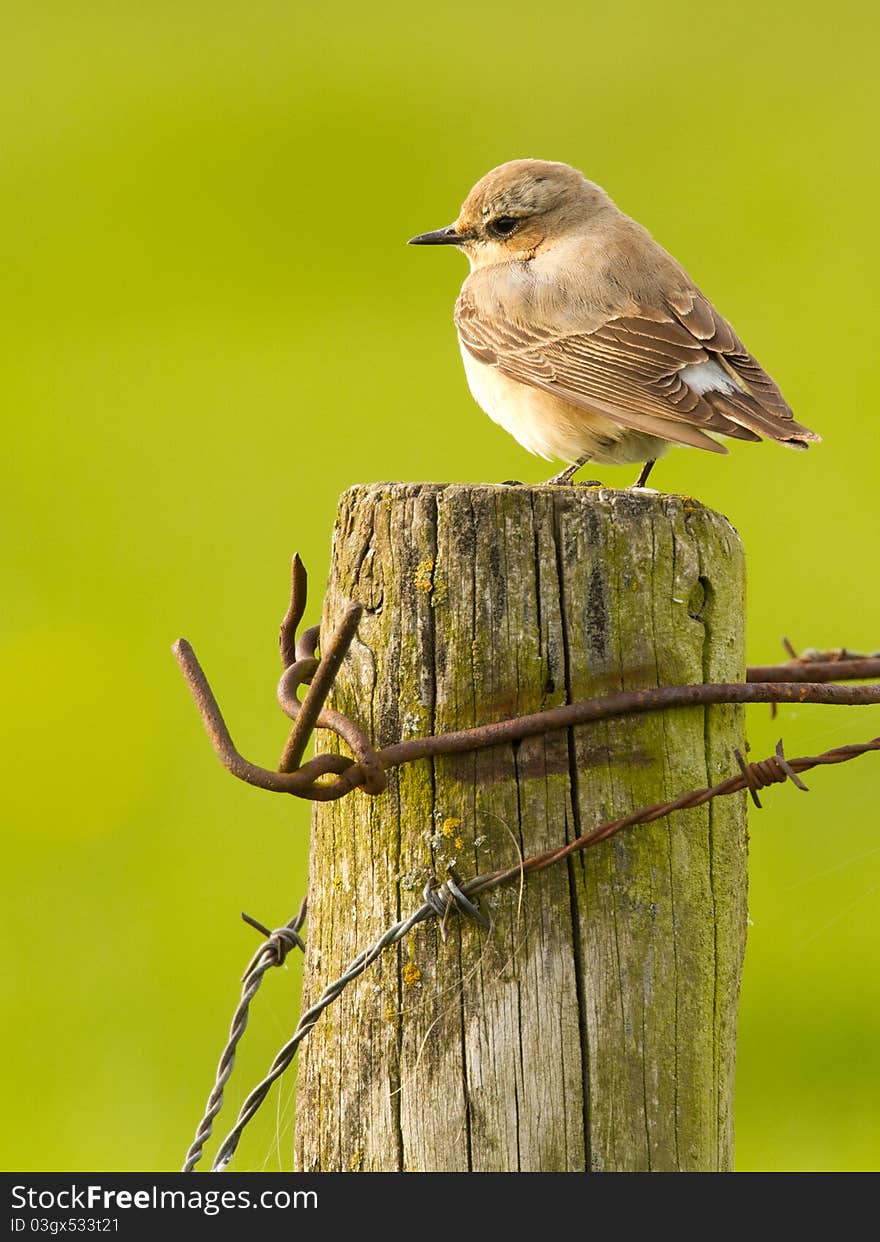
<point x="594" y="1026"/>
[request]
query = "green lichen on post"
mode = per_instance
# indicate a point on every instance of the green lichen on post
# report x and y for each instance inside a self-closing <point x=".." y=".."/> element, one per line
<point x="594" y="1026"/>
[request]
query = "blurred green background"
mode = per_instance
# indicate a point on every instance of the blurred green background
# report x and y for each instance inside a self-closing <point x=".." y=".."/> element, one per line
<point x="211" y="326"/>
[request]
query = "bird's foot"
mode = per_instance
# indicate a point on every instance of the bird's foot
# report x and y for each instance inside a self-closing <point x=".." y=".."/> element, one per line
<point x="565" y="476"/>
<point x="639" y="485"/>
<point x="512" y="483"/>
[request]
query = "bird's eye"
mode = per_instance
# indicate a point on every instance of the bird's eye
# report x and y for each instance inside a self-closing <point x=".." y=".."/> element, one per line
<point x="502" y="226"/>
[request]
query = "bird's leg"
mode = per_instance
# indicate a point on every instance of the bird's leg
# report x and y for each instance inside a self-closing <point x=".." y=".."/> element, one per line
<point x="566" y="475"/>
<point x="644" y="472"/>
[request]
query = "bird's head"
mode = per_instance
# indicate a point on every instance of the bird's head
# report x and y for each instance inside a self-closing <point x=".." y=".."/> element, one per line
<point x="519" y="209"/>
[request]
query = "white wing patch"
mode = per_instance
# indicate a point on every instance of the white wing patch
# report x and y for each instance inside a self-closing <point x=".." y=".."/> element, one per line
<point x="708" y="376"/>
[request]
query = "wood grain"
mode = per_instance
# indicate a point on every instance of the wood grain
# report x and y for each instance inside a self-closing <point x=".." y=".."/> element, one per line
<point x="594" y="1026"/>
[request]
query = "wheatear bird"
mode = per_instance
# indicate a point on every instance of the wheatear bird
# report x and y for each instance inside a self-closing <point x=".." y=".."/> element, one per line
<point x="588" y="342"/>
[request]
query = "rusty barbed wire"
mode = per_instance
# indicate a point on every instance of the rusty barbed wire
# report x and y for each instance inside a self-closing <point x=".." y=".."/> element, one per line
<point x="455" y="894"/>
<point x="812" y="654"/>
<point x="754" y="776"/>
<point x="801" y="668"/>
<point x="272" y="953"/>
<point x="805" y="678"/>
<point x="800" y="680"/>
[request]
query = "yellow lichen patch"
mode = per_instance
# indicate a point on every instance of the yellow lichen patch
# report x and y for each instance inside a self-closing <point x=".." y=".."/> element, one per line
<point x="424" y="576"/>
<point x="356" y="1162"/>
<point x="448" y="827"/>
<point x="458" y="842"/>
<point x="411" y="975"/>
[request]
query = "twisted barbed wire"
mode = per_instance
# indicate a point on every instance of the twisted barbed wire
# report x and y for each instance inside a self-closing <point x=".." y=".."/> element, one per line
<point x="438" y="901"/>
<point x="273" y="952"/>
<point x="456" y="895"/>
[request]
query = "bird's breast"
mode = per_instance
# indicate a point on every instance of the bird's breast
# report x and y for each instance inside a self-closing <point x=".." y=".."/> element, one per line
<point x="547" y="425"/>
<point x="510" y="404"/>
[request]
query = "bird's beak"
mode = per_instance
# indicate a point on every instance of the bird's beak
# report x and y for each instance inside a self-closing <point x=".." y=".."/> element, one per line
<point x="440" y="237"/>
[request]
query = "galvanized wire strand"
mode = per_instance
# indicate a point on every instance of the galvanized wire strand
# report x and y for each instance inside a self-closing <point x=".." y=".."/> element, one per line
<point x="272" y="953"/>
<point x="355" y="968"/>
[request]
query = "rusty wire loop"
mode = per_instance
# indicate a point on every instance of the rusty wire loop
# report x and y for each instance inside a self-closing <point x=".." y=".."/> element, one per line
<point x="272" y="953"/>
<point x="804" y="678"/>
<point x="298" y="658"/>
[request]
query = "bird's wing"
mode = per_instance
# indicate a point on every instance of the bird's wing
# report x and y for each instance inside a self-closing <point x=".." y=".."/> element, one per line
<point x="630" y="369"/>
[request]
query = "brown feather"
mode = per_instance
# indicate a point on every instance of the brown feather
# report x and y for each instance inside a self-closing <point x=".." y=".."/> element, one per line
<point x="628" y="369"/>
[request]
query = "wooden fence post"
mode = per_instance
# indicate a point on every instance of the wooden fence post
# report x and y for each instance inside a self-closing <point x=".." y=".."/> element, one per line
<point x="593" y="1027"/>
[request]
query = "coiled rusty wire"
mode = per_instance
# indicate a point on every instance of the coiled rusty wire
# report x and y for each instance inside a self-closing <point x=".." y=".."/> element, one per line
<point x="800" y="680"/>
